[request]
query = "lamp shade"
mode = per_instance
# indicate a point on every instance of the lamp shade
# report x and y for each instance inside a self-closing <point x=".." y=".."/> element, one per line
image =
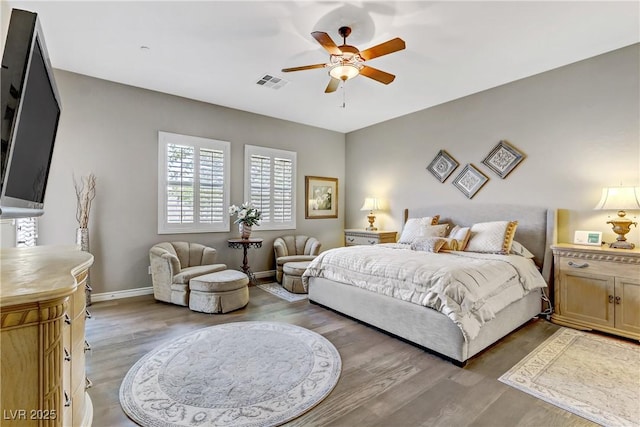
<point x="371" y="204"/>
<point x="619" y="198"/>
<point x="344" y="72"/>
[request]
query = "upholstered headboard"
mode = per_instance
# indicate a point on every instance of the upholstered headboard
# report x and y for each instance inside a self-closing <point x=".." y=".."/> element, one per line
<point x="536" y="225"/>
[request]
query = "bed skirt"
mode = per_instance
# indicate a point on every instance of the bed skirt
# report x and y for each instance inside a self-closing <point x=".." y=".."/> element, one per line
<point x="421" y="325"/>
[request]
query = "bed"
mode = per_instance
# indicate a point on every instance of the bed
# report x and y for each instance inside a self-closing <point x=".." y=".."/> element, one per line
<point x="411" y="319"/>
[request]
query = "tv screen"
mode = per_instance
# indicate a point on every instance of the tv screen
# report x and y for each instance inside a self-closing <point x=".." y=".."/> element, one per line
<point x="30" y="114"/>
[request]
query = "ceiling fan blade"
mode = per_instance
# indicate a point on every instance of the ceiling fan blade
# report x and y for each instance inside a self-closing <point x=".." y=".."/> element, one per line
<point x="385" y="48"/>
<point x="377" y="75"/>
<point x="332" y="86"/>
<point x="304" y="67"/>
<point x="326" y="42"/>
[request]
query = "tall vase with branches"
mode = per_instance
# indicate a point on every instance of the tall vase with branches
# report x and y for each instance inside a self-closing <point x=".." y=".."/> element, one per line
<point x="85" y="193"/>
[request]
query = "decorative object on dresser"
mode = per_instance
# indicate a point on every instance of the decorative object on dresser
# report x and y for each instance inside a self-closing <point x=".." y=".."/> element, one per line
<point x="597" y="288"/>
<point x="248" y="216"/>
<point x="503" y="158"/>
<point x="321" y="197"/>
<point x="371" y="204"/>
<point x="620" y="199"/>
<point x="589" y="238"/>
<point x="442" y="165"/>
<point x="236" y="374"/>
<point x="174" y="264"/>
<point x="85" y="193"/>
<point x="590" y="375"/>
<point x="43" y="307"/>
<point x="355" y="237"/>
<point x="470" y="180"/>
<point x="292" y="248"/>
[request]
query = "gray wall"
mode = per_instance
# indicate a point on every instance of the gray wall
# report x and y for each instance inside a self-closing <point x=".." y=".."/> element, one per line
<point x="112" y="130"/>
<point x="578" y="126"/>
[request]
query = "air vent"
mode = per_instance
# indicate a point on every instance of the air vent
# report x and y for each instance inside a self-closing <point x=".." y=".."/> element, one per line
<point x="272" y="81"/>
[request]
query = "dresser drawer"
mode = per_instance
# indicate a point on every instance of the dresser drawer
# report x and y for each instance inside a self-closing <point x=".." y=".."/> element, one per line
<point x="594" y="266"/>
<point x="351" y="240"/>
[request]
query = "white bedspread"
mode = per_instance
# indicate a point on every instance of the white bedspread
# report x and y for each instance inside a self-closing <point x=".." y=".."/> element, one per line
<point x="469" y="288"/>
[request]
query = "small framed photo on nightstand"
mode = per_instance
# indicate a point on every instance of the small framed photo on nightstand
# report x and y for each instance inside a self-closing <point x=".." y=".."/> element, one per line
<point x="591" y="238"/>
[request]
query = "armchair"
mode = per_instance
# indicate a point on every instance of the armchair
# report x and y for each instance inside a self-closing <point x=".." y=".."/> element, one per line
<point x="173" y="264"/>
<point x="294" y="249"/>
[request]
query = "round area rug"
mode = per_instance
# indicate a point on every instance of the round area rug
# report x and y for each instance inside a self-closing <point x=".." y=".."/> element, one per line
<point x="236" y="374"/>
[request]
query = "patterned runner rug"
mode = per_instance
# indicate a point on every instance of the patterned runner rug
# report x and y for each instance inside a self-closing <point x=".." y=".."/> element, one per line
<point x="235" y="374"/>
<point x="590" y="375"/>
<point x="280" y="292"/>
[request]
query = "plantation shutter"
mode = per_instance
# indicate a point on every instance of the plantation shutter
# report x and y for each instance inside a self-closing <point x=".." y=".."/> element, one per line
<point x="195" y="173"/>
<point x="270" y="185"/>
<point x="282" y="190"/>
<point x="260" y="182"/>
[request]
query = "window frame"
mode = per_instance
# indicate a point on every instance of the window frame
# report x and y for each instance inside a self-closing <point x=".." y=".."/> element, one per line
<point x="272" y="153"/>
<point x="164" y="227"/>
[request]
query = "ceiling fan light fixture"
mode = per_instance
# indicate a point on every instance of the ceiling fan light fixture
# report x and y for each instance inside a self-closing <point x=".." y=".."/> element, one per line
<point x="344" y="72"/>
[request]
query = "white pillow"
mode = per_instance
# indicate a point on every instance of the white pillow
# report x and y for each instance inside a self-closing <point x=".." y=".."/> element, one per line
<point x="492" y="237"/>
<point x="414" y="228"/>
<point x="518" y="249"/>
<point x="461" y="234"/>
<point x="428" y="244"/>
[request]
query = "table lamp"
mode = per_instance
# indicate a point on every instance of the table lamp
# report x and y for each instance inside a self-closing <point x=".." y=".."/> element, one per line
<point x="371" y="204"/>
<point x="620" y="199"/>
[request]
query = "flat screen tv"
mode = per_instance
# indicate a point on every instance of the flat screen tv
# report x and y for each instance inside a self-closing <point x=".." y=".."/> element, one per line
<point x="30" y="111"/>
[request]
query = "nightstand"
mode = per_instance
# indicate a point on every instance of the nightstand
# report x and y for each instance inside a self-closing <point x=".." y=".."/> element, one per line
<point x="597" y="288"/>
<point x="355" y="237"/>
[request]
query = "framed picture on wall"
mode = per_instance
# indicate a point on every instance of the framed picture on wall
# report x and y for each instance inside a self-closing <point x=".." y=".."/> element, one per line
<point x="321" y="197"/>
<point x="503" y="159"/>
<point x="470" y="180"/>
<point x="442" y="165"/>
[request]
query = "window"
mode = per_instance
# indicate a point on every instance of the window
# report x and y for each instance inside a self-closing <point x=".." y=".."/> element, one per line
<point x="269" y="184"/>
<point x="193" y="184"/>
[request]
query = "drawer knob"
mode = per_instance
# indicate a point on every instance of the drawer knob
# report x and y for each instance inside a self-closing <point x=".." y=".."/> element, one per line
<point x="610" y="299"/>
<point x="618" y="300"/>
<point x="574" y="265"/>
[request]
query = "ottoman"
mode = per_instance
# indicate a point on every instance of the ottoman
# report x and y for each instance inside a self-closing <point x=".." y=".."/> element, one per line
<point x="219" y="292"/>
<point x="292" y="276"/>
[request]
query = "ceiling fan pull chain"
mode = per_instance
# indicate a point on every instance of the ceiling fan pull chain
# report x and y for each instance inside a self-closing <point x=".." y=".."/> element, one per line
<point x="344" y="96"/>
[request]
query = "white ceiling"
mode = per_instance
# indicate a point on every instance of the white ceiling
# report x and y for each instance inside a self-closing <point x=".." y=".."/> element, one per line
<point x="216" y="51"/>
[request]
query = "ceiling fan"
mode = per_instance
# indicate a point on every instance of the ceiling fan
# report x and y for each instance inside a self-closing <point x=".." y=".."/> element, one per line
<point x="346" y="62"/>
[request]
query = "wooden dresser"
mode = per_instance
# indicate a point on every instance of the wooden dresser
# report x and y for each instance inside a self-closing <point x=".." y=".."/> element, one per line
<point x="42" y="343"/>
<point x="597" y="288"/>
<point x="356" y="237"/>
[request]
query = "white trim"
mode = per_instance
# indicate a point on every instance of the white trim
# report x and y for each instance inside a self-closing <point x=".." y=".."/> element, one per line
<point x="127" y="293"/>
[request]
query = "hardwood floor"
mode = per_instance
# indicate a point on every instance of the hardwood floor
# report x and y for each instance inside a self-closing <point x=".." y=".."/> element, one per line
<point x="384" y="382"/>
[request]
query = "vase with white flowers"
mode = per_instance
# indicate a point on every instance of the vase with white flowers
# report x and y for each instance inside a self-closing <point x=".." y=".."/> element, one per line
<point x="247" y="217"/>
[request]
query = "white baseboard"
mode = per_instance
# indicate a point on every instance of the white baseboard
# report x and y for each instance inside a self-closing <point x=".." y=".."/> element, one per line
<point x="128" y="293"/>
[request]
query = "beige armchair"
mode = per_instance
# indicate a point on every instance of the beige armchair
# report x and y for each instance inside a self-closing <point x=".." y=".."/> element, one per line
<point x="293" y="249"/>
<point x="173" y="264"/>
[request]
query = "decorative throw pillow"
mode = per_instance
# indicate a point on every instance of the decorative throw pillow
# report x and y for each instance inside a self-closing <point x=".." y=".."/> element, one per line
<point x="461" y="234"/>
<point x="413" y="228"/>
<point x="492" y="237"/>
<point x="428" y="244"/>
<point x="439" y="230"/>
<point x="518" y="249"/>
<point x="450" y="244"/>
